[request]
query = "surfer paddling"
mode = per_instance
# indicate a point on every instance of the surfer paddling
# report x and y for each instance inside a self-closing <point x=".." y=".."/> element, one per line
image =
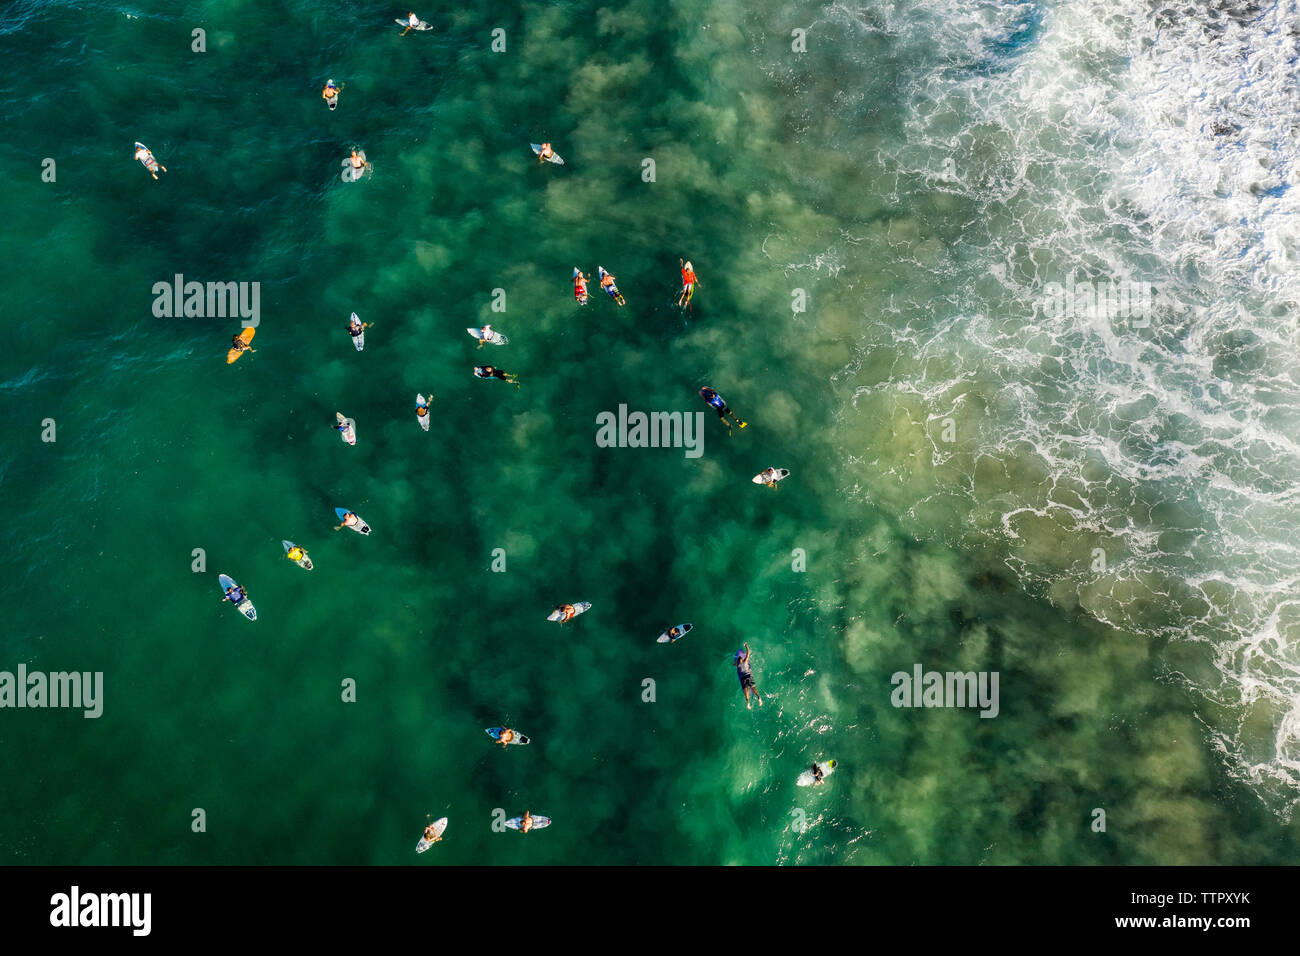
<point x="689" y="281"/>
<point x="146" y="157"/>
<point x="239" y="344"/>
<point x="717" y="404"/>
<point x="487" y="371"/>
<point x="580" y="286"/>
<point x="506" y="737"/>
<point x="331" y="93"/>
<point x="745" y="671"/>
<point x="412" y="23"/>
<point x="431" y="831"/>
<point x="545" y="153"/>
<point x="349" y="520"/>
<point x="607" y="283"/>
<point x="770" y="477"/>
<point x="356" y="327"/>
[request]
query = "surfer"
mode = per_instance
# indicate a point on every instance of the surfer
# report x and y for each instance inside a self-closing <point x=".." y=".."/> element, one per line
<point x="769" y="476"/>
<point x="568" y="611"/>
<point x="545" y="153"/>
<point x="487" y="371"/>
<point x="607" y="283"/>
<point x="422" y="408"/>
<point x="412" y="21"/>
<point x="580" y="286"/>
<point x="507" y="735"/>
<point x="744" y="670"/>
<point x="485" y="333"/>
<point x="673" y="634"/>
<point x="295" y="553"/>
<point x="715" y="400"/>
<point x="330" y="92"/>
<point x="239" y="345"/>
<point x="143" y="154"/>
<point x="349" y="520"/>
<point x="431" y="832"/>
<point x="526" y="823"/>
<point x="235" y="595"/>
<point x="688" y="283"/>
<point x="340" y="423"/>
<point x="358" y="161"/>
<point x="817" y="773"/>
<point x="356" y="327"/>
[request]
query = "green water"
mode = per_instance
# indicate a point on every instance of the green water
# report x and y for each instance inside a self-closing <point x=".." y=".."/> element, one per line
<point x="162" y="448"/>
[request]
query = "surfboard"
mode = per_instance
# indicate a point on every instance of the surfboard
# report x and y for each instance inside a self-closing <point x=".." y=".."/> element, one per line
<point x="492" y="338"/>
<point x="578" y="608"/>
<point x="358" y="340"/>
<point x="333" y="102"/>
<point x="350" y="173"/>
<point x="360" y="527"/>
<point x="539" y="823"/>
<point x="616" y="295"/>
<point x="685" y="629"/>
<point x="149" y="162"/>
<point x="554" y="158"/>
<point x="247" y="336"/>
<point x="439" y="827"/>
<point x="422" y="419"/>
<point x="780" y="474"/>
<point x="245" y="606"/>
<point x="806" y="779"/>
<point x="419" y="26"/>
<point x="303" y="562"/>
<point x="495" y="734"/>
<point x="349" y="431"/>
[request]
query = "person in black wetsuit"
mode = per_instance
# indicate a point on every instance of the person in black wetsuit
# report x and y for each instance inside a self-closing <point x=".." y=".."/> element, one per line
<point x="487" y="371"/>
<point x="717" y="404"/>
<point x="744" y="670"/>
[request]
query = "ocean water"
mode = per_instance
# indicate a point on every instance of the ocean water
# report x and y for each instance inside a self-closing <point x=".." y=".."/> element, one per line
<point x="1102" y="510"/>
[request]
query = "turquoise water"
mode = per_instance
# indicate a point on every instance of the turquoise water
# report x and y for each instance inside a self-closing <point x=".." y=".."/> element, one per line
<point x="918" y="173"/>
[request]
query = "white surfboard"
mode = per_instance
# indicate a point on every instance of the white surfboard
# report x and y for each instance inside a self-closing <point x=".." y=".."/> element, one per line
<point x="360" y="527"/>
<point x="667" y="638"/>
<point x="806" y="779"/>
<point x="439" y="827"/>
<point x="539" y="823"/>
<point x="358" y="340"/>
<point x="492" y="338"/>
<point x="422" y="419"/>
<point x="349" y="430"/>
<point x="305" y="561"/>
<point x="762" y="477"/>
<point x="579" y="608"/>
<point x="553" y="158"/>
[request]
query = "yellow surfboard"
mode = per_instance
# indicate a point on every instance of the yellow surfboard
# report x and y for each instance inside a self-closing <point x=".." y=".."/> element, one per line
<point x="247" y="336"/>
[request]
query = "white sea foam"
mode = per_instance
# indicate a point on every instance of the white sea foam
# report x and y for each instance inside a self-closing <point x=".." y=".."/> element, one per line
<point x="1118" y="140"/>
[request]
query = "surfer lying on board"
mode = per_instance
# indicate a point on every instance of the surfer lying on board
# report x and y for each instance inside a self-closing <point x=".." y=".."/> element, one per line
<point x="356" y="327"/>
<point x="412" y="21"/>
<point x="607" y="283"/>
<point x="580" y="286"/>
<point x="526" y="822"/>
<point x="146" y="156"/>
<point x="349" y="520"/>
<point x="340" y="423"/>
<point x="358" y="161"/>
<point x="688" y="283"/>
<point x="545" y="153"/>
<point x="238" y="344"/>
<point x="330" y="90"/>
<point x="235" y="595"/>
<point x="744" y="670"/>
<point x="486" y="333"/>
<point x="507" y="735"/>
<point x="769" y="477"/>
<point x="715" y="400"/>
<point x="568" y="611"/>
<point x="673" y="634"/>
<point x="815" y="770"/>
<point x="422" y="408"/>
<point x="295" y="553"/>
<point x="487" y="371"/>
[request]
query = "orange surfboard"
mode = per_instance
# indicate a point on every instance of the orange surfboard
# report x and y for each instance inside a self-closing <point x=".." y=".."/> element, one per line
<point x="247" y="336"/>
